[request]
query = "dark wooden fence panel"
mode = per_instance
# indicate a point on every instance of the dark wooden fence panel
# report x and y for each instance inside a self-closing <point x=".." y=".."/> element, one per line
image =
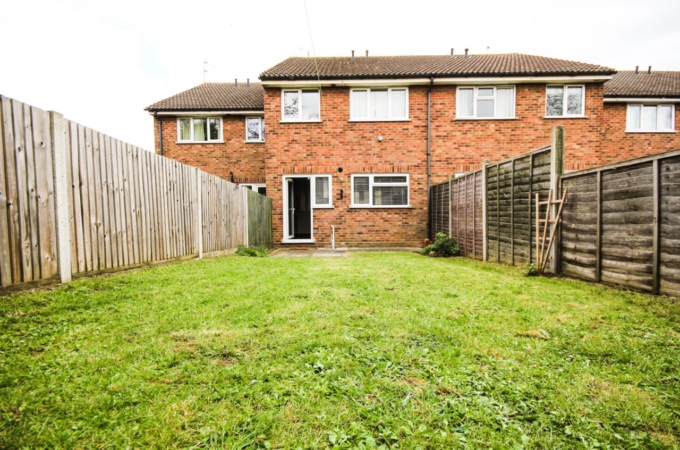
<point x="467" y="213"/>
<point x="439" y="210"/>
<point x="512" y="186"/>
<point x="621" y="225"/>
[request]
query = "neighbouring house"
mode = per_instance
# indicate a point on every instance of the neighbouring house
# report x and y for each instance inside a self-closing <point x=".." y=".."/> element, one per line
<point x="347" y="139"/>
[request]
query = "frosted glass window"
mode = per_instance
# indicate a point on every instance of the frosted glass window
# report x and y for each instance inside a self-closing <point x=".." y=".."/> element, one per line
<point x="564" y="100"/>
<point x="485" y="108"/>
<point x="254" y="129"/>
<point x="485" y="92"/>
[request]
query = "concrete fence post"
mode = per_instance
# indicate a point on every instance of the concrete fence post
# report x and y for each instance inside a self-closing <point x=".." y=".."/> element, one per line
<point x="58" y="128"/>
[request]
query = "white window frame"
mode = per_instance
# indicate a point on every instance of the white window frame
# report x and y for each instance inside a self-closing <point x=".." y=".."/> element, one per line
<point x="657" y="130"/>
<point x="299" y="117"/>
<point x="261" y="128"/>
<point x="371" y="184"/>
<point x="389" y="105"/>
<point x="313" y="191"/>
<point x="565" y="100"/>
<point x="494" y="98"/>
<point x="220" y="138"/>
<point x="254" y="186"/>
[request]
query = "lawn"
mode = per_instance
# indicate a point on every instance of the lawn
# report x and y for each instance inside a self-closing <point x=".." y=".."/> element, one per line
<point x="378" y="350"/>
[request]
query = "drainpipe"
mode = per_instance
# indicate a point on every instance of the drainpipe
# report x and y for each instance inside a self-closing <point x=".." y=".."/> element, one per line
<point x="429" y="155"/>
<point x="160" y="133"/>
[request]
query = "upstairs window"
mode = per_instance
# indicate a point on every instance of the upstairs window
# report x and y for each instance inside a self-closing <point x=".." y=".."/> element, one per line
<point x="565" y="100"/>
<point x="641" y="118"/>
<point x="199" y="129"/>
<point x="380" y="191"/>
<point x="379" y="104"/>
<point x="486" y="102"/>
<point x="301" y="106"/>
<point x="254" y="129"/>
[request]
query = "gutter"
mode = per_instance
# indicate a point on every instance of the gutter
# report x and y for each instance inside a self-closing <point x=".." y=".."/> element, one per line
<point x="429" y="157"/>
<point x="160" y="133"/>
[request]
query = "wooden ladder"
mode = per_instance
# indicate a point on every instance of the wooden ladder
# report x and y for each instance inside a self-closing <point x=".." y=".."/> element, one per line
<point x="542" y="252"/>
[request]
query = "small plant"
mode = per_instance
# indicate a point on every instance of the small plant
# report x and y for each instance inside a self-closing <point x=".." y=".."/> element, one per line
<point x="530" y="270"/>
<point x="444" y="246"/>
<point x="257" y="252"/>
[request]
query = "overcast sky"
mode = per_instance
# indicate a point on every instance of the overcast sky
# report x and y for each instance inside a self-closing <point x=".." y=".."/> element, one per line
<point x="101" y="62"/>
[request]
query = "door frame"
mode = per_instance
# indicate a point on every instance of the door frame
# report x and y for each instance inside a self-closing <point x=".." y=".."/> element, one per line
<point x="286" y="239"/>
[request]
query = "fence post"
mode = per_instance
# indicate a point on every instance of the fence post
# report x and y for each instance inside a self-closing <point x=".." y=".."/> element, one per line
<point x="656" y="232"/>
<point x="556" y="170"/>
<point x="451" y="177"/>
<point x="60" y="150"/>
<point x="485" y="223"/>
<point x="199" y="212"/>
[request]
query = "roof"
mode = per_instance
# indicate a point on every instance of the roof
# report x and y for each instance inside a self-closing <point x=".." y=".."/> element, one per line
<point x="643" y="84"/>
<point x="511" y="64"/>
<point x="214" y="97"/>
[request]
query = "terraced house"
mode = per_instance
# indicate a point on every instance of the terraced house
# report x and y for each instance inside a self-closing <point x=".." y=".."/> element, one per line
<point x="350" y="144"/>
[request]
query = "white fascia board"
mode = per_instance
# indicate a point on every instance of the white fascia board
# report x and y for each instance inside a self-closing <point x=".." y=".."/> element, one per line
<point x="209" y="113"/>
<point x="437" y="81"/>
<point x="640" y="100"/>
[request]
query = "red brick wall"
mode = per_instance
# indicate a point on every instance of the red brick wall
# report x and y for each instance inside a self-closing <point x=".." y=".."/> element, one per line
<point x="246" y="161"/>
<point x="457" y="146"/>
<point x="620" y="145"/>
<point x="334" y="143"/>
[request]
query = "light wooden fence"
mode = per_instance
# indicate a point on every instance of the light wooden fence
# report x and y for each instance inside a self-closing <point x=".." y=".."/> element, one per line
<point x="621" y="224"/>
<point x="491" y="212"/>
<point x="75" y="201"/>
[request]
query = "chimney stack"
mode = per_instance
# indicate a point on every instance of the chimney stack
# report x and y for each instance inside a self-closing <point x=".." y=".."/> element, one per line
<point x="466" y="52"/>
<point x="451" y="52"/>
<point x="248" y="82"/>
<point x="649" y="71"/>
<point x="236" y="82"/>
<point x="366" y="54"/>
<point x="637" y="68"/>
<point x="352" y="55"/>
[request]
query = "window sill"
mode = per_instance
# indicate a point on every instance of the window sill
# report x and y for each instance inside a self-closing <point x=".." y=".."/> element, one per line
<point x="253" y="142"/>
<point x="298" y="241"/>
<point x="485" y="118"/>
<point x="652" y="131"/>
<point x="565" y="117"/>
<point x="199" y="142"/>
<point x="378" y="120"/>
<point x="380" y="207"/>
<point x="300" y="121"/>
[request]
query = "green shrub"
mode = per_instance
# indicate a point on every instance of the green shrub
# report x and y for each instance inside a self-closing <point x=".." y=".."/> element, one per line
<point x="443" y="246"/>
<point x="257" y="252"/>
<point x="530" y="270"/>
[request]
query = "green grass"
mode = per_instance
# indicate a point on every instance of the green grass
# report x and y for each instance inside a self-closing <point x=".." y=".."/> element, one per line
<point x="379" y="350"/>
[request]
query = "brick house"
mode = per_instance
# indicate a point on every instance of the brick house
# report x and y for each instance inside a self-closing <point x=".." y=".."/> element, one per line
<point x="349" y="140"/>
